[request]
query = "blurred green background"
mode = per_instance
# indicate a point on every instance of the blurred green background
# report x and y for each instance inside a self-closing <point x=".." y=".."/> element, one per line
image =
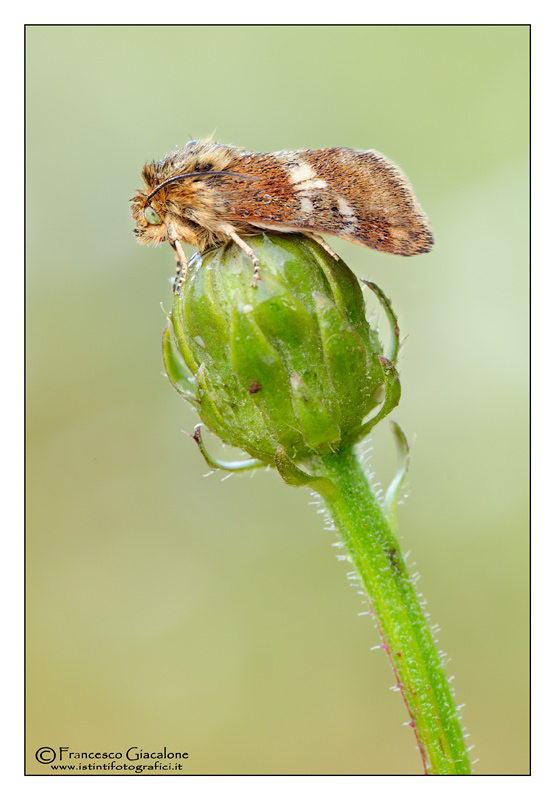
<point x="167" y="608"/>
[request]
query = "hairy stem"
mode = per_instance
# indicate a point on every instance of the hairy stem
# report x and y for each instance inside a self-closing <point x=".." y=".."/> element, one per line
<point x="406" y="637"/>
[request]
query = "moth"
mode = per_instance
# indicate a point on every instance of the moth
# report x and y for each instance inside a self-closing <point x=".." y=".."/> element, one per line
<point x="208" y="193"/>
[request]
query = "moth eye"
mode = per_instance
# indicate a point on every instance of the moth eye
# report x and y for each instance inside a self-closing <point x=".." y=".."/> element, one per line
<point x="152" y="217"/>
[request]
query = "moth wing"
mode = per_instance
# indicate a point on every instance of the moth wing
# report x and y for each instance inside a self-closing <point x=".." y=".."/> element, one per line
<point x="358" y="195"/>
<point x="370" y="201"/>
<point x="265" y="199"/>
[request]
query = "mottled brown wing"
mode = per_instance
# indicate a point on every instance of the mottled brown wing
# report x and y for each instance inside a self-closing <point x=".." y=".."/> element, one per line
<point x="358" y="195"/>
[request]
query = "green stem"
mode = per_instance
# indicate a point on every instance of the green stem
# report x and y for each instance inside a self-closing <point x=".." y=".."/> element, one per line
<point x="406" y="637"/>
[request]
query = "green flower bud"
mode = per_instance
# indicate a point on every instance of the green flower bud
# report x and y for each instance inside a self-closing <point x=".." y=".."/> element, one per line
<point x="291" y="364"/>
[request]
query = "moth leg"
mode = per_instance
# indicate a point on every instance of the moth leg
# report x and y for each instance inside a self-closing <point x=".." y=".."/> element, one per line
<point x="323" y="244"/>
<point x="182" y="265"/>
<point x="230" y="231"/>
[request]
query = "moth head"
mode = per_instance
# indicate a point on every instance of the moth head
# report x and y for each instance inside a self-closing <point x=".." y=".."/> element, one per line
<point x="150" y="216"/>
<point x="165" y="209"/>
<point x="152" y="208"/>
<point x="173" y="207"/>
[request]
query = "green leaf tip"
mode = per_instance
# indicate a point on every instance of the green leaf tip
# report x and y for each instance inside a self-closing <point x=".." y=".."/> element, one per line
<point x="393" y="493"/>
<point x="385" y="303"/>
<point x="214" y="463"/>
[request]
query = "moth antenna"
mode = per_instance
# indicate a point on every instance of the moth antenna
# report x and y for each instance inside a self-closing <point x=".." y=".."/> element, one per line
<point x="214" y="174"/>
